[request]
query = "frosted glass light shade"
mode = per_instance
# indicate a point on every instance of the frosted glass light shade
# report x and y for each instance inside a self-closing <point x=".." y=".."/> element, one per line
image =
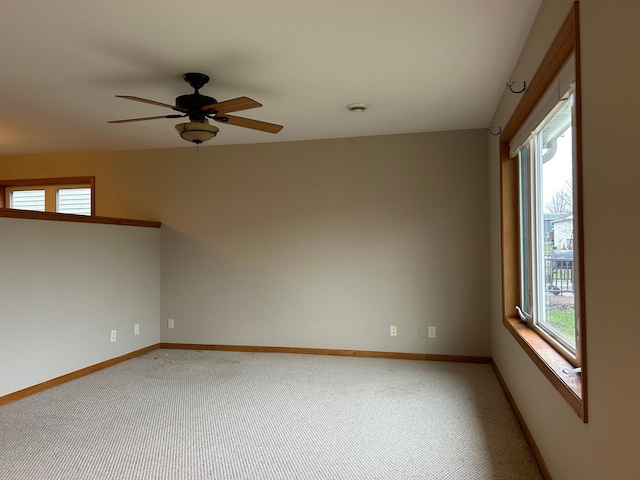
<point x="197" y="132"/>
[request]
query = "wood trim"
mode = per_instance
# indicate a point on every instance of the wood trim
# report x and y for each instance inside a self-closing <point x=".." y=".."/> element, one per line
<point x="92" y="184"/>
<point x="2" y="195"/>
<point x="63" y="217"/>
<point x="328" y="351"/>
<point x="523" y="425"/>
<point x="12" y="397"/>
<point x="509" y="232"/>
<point x="550" y="363"/>
<point x="47" y="181"/>
<point x="571" y="387"/>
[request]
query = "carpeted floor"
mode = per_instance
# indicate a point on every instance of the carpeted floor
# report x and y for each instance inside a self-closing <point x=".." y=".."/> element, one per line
<point x="179" y="414"/>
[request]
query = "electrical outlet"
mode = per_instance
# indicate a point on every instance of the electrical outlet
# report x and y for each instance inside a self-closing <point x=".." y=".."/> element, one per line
<point x="423" y="332"/>
<point x="170" y="323"/>
<point x="432" y="332"/>
<point x="136" y="329"/>
<point x="394" y="330"/>
<point x="113" y="335"/>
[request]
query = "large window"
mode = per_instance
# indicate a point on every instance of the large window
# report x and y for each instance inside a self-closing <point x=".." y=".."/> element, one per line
<point x="541" y="216"/>
<point x="547" y="233"/>
<point x="73" y="196"/>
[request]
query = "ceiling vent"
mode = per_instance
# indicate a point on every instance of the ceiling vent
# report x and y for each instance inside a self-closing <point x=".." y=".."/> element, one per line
<point x="357" y="107"/>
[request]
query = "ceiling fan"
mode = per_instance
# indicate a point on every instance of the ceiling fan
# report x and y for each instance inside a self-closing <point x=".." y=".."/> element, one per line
<point x="199" y="108"/>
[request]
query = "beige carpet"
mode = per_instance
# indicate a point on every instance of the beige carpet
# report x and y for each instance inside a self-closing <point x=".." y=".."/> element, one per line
<point x="175" y="414"/>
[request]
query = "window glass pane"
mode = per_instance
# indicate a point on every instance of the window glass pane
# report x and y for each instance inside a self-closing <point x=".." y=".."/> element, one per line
<point x="27" y="200"/>
<point x="75" y="201"/>
<point x="555" y="238"/>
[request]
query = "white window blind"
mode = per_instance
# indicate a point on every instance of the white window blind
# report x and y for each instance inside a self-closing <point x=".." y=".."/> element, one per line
<point x="76" y="201"/>
<point x="28" y="200"/>
<point x="560" y="89"/>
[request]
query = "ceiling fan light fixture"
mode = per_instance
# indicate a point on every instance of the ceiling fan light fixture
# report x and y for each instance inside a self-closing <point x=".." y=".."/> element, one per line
<point x="197" y="132"/>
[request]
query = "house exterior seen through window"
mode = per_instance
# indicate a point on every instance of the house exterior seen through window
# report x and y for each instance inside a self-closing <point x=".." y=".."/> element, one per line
<point x="50" y="195"/>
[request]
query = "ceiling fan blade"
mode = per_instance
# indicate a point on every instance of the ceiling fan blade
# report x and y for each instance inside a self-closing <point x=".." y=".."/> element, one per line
<point x="152" y="102"/>
<point x="145" y="118"/>
<point x="233" y="105"/>
<point x="249" y="123"/>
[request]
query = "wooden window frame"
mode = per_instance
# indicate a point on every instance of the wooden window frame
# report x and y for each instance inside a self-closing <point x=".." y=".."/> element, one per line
<point x="572" y="387"/>
<point x="6" y="186"/>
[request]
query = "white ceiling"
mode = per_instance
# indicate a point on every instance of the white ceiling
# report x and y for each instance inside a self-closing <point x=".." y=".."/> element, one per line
<point x="422" y="65"/>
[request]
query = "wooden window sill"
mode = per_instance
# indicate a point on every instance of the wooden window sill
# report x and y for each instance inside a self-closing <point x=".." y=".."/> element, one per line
<point x="550" y="363"/>
<point x="63" y="217"/>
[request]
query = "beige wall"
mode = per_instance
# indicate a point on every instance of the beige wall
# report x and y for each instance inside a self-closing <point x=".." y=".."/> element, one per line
<point x="64" y="287"/>
<point x="606" y="447"/>
<point x="310" y="244"/>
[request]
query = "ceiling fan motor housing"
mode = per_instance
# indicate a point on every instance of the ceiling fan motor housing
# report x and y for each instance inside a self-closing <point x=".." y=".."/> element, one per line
<point x="193" y="103"/>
